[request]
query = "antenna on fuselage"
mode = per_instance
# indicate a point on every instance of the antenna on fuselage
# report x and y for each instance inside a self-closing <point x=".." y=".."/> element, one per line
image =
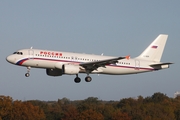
<point x="31" y="47"/>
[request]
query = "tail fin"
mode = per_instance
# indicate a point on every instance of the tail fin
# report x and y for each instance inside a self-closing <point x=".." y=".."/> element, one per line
<point x="154" y="51"/>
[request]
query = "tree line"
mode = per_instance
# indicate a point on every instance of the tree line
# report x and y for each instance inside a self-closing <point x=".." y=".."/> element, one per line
<point x="156" y="107"/>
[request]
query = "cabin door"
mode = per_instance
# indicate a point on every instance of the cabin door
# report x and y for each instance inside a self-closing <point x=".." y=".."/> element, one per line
<point x="31" y="53"/>
<point x="137" y="64"/>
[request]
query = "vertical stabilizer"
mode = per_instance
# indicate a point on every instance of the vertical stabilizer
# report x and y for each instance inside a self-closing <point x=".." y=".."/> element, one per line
<point x="154" y="51"/>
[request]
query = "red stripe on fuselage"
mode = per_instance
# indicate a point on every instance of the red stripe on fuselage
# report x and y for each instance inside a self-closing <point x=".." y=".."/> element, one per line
<point x="111" y="65"/>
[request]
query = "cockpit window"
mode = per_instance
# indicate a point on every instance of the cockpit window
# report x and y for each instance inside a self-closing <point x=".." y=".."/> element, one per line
<point x="19" y="53"/>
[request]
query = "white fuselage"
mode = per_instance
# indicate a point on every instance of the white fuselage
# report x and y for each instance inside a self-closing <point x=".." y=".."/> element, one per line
<point x="58" y="63"/>
<point x="47" y="59"/>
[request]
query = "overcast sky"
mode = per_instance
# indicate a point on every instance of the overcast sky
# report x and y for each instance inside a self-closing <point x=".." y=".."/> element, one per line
<point x="112" y="27"/>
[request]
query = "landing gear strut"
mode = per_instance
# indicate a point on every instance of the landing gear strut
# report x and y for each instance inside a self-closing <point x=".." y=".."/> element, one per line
<point x="88" y="78"/>
<point x="77" y="79"/>
<point x="28" y="70"/>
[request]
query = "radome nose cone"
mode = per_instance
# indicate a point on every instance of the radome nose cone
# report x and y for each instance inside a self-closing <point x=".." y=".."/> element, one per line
<point x="9" y="59"/>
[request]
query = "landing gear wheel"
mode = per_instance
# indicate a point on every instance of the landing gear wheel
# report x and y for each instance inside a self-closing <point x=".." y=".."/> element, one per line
<point x="77" y="80"/>
<point x="28" y="70"/>
<point x="88" y="79"/>
<point x="27" y="74"/>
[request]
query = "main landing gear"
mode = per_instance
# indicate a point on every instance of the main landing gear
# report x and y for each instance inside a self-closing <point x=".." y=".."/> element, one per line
<point x="88" y="78"/>
<point x="28" y="70"/>
<point x="78" y="80"/>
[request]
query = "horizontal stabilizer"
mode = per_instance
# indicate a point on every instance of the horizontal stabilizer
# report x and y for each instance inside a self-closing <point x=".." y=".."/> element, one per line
<point x="159" y="64"/>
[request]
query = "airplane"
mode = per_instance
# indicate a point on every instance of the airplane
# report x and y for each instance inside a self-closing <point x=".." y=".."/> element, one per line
<point x="58" y="63"/>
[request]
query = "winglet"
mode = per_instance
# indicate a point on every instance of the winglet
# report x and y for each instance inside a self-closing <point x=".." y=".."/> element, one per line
<point x="128" y="57"/>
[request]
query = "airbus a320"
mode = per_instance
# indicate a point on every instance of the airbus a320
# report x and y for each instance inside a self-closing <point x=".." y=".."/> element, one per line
<point x="58" y="63"/>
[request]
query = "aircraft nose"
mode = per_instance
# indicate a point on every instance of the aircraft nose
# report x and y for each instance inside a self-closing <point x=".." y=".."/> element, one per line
<point x="10" y="59"/>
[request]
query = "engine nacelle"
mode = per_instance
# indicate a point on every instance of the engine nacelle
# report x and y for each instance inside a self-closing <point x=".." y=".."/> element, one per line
<point x="59" y="65"/>
<point x="70" y="69"/>
<point x="54" y="72"/>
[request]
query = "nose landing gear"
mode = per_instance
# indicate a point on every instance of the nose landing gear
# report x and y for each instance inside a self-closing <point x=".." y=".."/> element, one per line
<point x="28" y="70"/>
<point x="27" y="74"/>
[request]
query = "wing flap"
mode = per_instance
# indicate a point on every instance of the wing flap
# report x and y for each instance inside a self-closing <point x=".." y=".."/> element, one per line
<point x="107" y="61"/>
<point x="101" y="63"/>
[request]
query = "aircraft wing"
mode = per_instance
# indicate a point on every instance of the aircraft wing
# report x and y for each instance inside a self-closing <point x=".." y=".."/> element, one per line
<point x="90" y="66"/>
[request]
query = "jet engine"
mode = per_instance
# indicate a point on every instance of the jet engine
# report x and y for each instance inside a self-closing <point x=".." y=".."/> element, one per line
<point x="70" y="69"/>
<point x="54" y="72"/>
